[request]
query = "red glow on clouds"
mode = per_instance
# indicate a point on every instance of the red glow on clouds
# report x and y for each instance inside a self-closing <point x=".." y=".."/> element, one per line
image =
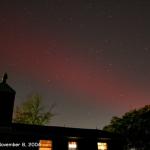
<point x="72" y="73"/>
<point x="75" y="75"/>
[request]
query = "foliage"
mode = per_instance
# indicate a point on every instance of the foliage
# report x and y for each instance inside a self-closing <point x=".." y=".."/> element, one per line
<point x="33" y="112"/>
<point x="134" y="126"/>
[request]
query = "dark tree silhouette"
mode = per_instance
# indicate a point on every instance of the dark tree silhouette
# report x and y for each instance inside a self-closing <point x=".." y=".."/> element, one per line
<point x="134" y="126"/>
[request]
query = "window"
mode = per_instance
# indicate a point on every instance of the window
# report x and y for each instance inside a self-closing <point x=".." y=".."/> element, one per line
<point x="72" y="145"/>
<point x="102" y="146"/>
<point x="45" y="145"/>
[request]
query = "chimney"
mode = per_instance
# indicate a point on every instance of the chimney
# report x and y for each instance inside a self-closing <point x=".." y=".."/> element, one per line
<point x="7" y="97"/>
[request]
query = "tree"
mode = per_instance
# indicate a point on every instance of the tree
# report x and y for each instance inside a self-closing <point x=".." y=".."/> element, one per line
<point x="134" y="126"/>
<point x="32" y="111"/>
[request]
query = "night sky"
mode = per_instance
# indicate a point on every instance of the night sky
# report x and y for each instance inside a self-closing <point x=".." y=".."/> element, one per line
<point x="91" y="58"/>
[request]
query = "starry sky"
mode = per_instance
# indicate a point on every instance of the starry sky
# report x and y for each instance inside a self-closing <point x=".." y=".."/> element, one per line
<point x="89" y="57"/>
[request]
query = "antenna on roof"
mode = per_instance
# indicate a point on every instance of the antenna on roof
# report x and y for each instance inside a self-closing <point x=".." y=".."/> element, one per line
<point x="5" y="77"/>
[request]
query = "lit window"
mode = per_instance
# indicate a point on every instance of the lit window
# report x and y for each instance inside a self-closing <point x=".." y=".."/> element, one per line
<point x="72" y="145"/>
<point x="45" y="145"/>
<point x="102" y="146"/>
